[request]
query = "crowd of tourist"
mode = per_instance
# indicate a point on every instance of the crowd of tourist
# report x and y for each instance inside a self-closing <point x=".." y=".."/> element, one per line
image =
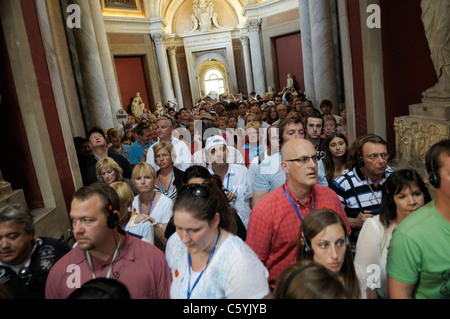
<point x="244" y="197"/>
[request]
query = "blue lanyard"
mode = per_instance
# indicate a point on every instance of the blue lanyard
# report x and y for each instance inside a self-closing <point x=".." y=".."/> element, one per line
<point x="295" y="206"/>
<point x="150" y="207"/>
<point x="228" y="182"/>
<point x="168" y="188"/>
<point x="189" y="291"/>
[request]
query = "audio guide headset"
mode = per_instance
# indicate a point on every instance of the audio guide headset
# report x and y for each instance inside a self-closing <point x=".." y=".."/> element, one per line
<point x="373" y="138"/>
<point x="307" y="245"/>
<point x="434" y="178"/>
<point x="112" y="219"/>
<point x="292" y="276"/>
<point x="432" y="159"/>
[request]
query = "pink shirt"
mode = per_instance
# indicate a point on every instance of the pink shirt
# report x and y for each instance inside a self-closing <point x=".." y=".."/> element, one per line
<point x="274" y="226"/>
<point x="139" y="265"/>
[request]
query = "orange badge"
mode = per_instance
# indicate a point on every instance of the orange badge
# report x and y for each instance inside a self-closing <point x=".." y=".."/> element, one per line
<point x="176" y="273"/>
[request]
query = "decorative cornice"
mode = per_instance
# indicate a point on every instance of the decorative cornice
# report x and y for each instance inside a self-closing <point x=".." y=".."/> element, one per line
<point x="133" y="25"/>
<point x="268" y="8"/>
<point x="209" y="38"/>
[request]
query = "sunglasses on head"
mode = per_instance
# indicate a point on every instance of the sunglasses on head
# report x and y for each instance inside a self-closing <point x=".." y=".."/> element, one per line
<point x="196" y="190"/>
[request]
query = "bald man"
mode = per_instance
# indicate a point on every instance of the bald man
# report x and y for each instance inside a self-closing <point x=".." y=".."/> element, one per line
<point x="275" y="220"/>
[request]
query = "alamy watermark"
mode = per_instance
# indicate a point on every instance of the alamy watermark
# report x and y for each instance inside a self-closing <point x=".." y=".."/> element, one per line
<point x="374" y="19"/>
<point x="74" y="19"/>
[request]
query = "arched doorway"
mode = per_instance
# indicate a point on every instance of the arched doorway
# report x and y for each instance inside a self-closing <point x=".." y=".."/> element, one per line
<point x="213" y="79"/>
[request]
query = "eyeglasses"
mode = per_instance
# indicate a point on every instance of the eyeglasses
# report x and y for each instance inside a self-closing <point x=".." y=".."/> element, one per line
<point x="374" y="157"/>
<point x="95" y="137"/>
<point x="304" y="159"/>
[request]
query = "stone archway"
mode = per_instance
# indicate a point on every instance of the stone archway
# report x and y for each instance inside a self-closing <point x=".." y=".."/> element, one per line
<point x="206" y="68"/>
<point x="205" y="49"/>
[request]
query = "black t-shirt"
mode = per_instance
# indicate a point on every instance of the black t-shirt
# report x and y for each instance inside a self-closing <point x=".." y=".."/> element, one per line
<point x="32" y="283"/>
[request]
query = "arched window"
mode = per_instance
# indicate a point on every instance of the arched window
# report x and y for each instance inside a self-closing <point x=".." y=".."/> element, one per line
<point x="214" y="81"/>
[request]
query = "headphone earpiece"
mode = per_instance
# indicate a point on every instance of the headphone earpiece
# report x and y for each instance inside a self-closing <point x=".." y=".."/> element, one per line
<point x="434" y="178"/>
<point x="113" y="219"/>
<point x="306" y="246"/>
<point x="360" y="159"/>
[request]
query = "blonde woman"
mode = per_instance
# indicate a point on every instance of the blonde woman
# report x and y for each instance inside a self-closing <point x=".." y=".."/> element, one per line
<point x="108" y="171"/>
<point x="155" y="206"/>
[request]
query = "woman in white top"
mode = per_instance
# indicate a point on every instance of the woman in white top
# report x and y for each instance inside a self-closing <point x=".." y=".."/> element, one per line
<point x="206" y="259"/>
<point x="155" y="206"/>
<point x="403" y="192"/>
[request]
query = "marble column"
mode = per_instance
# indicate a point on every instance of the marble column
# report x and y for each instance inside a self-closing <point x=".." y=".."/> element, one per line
<point x="163" y="66"/>
<point x="254" y="27"/>
<point x="322" y="52"/>
<point x="247" y="63"/>
<point x="175" y="76"/>
<point x="305" y="31"/>
<point x="106" y="60"/>
<point x="91" y="69"/>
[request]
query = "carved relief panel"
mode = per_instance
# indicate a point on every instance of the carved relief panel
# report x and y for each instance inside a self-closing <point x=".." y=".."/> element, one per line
<point x="413" y="138"/>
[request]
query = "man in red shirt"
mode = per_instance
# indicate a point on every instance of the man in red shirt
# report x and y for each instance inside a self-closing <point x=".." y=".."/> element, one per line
<point x="104" y="250"/>
<point x="275" y="220"/>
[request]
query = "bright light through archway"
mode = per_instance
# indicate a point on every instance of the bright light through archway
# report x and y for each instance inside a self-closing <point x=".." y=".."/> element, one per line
<point x="214" y="81"/>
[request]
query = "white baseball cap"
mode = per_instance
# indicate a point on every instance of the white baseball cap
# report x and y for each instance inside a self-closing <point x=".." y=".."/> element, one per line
<point x="213" y="141"/>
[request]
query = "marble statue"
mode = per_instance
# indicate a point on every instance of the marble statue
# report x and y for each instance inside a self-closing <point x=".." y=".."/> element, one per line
<point x="204" y="16"/>
<point x="159" y="109"/>
<point x="137" y="106"/>
<point x="5" y="187"/>
<point x="436" y="20"/>
<point x="290" y="81"/>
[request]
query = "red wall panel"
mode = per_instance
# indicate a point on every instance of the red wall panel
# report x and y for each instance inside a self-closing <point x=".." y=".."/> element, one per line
<point x="131" y="77"/>
<point x="408" y="69"/>
<point x="290" y="60"/>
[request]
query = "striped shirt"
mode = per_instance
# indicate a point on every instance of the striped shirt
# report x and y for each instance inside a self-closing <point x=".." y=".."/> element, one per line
<point x="369" y="196"/>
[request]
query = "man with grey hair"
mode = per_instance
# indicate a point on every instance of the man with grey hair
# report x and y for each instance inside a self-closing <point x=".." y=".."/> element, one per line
<point x="25" y="260"/>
